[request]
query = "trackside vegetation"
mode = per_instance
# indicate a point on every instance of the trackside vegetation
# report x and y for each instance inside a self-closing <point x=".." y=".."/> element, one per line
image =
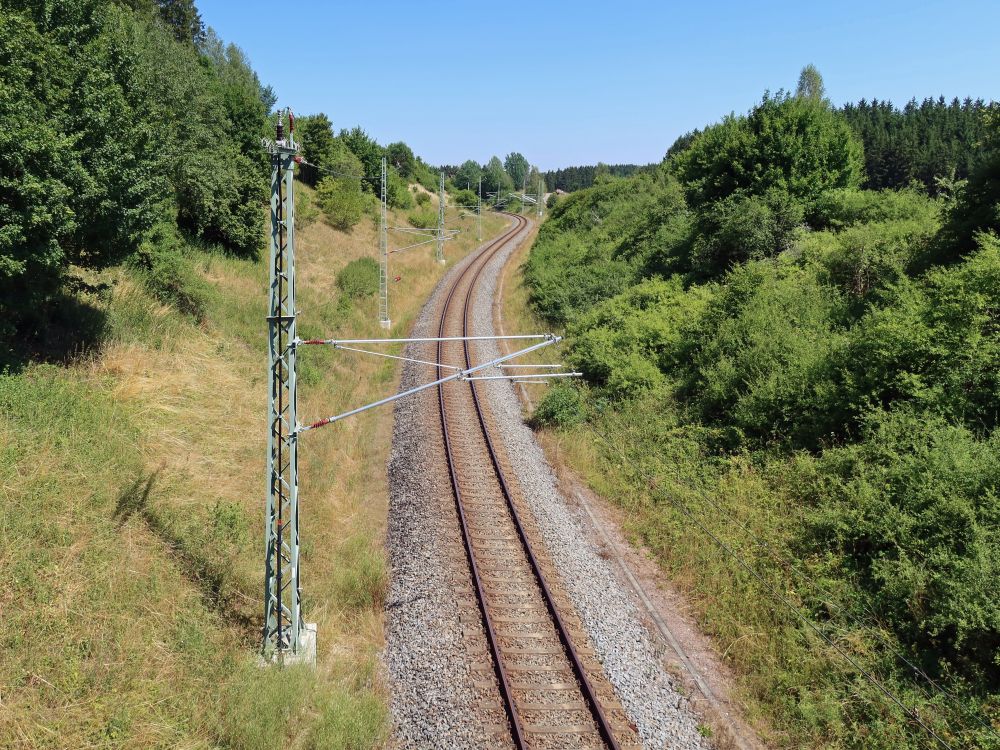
<point x="133" y="349"/>
<point x="792" y="389"/>
<point x="130" y="521"/>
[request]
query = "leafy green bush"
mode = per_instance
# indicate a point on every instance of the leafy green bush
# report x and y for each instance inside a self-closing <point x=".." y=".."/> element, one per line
<point x="424" y="219"/>
<point x="871" y="257"/>
<point x="935" y="344"/>
<point x="630" y="342"/>
<point x="797" y="145"/>
<point x="306" y="211"/>
<point x="561" y="406"/>
<point x="567" y="276"/>
<point x="397" y="194"/>
<point x="359" y="278"/>
<point x="168" y="274"/>
<point x="422" y="198"/>
<point x="743" y="227"/>
<point x="463" y="198"/>
<point x="914" y="511"/>
<point x="845" y="207"/>
<point x="341" y="201"/>
<point x="762" y="357"/>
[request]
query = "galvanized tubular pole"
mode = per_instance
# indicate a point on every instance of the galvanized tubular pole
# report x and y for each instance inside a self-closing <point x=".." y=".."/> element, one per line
<point x="439" y="253"/>
<point x="285" y="636"/>
<point x="383" y="257"/>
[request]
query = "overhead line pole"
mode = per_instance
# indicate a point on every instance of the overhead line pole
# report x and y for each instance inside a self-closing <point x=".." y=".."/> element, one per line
<point x="383" y="256"/>
<point x="286" y="639"/>
<point x="439" y="252"/>
<point x="479" y="211"/>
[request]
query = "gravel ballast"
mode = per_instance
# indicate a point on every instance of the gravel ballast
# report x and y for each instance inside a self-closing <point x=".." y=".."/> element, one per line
<point x="433" y="700"/>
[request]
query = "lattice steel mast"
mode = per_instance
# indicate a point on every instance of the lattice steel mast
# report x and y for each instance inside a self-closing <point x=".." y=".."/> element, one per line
<point x="479" y="211"/>
<point x="383" y="256"/>
<point x="285" y="637"/>
<point x="439" y="251"/>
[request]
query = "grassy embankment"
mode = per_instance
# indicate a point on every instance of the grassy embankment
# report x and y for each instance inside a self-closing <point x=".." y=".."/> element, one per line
<point x="132" y="504"/>
<point x="752" y="535"/>
<point x="683" y="501"/>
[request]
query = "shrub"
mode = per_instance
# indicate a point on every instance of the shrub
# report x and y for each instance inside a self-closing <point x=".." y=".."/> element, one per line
<point x="864" y="258"/>
<point x="836" y="209"/>
<point x="167" y="273"/>
<point x="567" y="275"/>
<point x="561" y="406"/>
<point x="935" y="343"/>
<point x="914" y="511"/>
<point x="359" y="278"/>
<point x="341" y="201"/>
<point x="628" y="343"/>
<point x="397" y="193"/>
<point x="306" y="211"/>
<point x="797" y="145"/>
<point x="763" y="356"/>
<point x="421" y="197"/>
<point x="424" y="219"/>
<point x="742" y="227"/>
<point x="464" y="198"/>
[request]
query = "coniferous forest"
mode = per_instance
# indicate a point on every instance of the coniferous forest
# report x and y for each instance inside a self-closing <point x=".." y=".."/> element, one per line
<point x="790" y="336"/>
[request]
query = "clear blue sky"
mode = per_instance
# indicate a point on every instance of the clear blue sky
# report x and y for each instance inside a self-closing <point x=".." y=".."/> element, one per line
<point x="578" y="82"/>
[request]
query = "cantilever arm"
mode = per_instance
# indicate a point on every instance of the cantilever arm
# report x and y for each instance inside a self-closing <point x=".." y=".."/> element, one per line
<point x="461" y="374"/>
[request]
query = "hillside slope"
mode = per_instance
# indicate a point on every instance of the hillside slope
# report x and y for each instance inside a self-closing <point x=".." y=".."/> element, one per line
<point x="132" y="506"/>
<point x="792" y="395"/>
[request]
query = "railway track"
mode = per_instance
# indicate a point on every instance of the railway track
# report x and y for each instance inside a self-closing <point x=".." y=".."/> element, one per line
<point x="552" y="687"/>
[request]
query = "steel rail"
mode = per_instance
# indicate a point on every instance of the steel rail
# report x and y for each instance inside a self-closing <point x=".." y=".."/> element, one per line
<point x="506" y="691"/>
<point x="587" y="690"/>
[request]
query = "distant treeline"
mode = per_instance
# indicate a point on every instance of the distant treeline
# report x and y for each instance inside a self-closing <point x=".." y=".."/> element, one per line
<point x="578" y="178"/>
<point x="920" y="142"/>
